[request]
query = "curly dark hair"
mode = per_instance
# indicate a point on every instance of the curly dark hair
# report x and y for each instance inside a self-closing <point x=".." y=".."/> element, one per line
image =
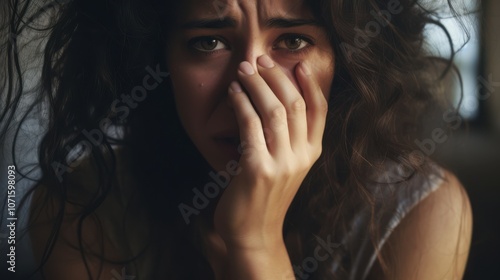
<point x="385" y="83"/>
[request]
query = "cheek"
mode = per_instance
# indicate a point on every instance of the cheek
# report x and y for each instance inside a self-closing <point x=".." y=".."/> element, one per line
<point x="323" y="69"/>
<point x="194" y="90"/>
<point x="325" y="79"/>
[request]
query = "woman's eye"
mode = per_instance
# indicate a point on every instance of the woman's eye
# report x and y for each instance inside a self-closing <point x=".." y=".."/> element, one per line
<point x="207" y="44"/>
<point x="288" y="42"/>
<point x="293" y="42"/>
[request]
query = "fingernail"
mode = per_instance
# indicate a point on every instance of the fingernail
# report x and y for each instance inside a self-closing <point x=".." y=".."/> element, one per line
<point x="265" y="61"/>
<point x="305" y="68"/>
<point x="235" y="87"/>
<point x="246" y="68"/>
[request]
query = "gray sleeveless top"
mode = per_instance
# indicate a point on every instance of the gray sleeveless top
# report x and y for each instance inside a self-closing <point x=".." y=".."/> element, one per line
<point x="393" y="197"/>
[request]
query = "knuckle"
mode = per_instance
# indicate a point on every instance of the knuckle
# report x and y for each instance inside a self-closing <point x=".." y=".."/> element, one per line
<point x="297" y="166"/>
<point x="266" y="172"/>
<point x="304" y="163"/>
<point x="293" y="167"/>
<point x="278" y="119"/>
<point x="278" y="114"/>
<point x="298" y="106"/>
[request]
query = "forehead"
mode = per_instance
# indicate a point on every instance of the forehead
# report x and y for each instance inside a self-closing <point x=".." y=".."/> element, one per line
<point x="263" y="9"/>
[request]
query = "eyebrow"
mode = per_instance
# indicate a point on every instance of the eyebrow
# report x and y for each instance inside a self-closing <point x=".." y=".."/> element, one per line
<point x="228" y="22"/>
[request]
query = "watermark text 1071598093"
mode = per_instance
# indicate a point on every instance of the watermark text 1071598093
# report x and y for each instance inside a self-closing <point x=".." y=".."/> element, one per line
<point x="11" y="217"/>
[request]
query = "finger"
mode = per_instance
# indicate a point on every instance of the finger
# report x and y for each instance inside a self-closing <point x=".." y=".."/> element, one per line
<point x="290" y="97"/>
<point x="252" y="141"/>
<point x="316" y="104"/>
<point x="268" y="106"/>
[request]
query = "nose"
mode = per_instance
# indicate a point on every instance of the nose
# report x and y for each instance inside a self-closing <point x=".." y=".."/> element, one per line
<point x="251" y="49"/>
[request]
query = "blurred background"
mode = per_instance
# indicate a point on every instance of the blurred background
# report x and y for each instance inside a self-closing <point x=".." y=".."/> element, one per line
<point x="473" y="151"/>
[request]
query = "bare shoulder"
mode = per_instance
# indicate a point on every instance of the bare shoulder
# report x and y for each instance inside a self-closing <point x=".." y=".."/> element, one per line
<point x="433" y="240"/>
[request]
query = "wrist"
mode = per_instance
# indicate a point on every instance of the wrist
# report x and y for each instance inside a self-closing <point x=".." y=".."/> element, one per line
<point x="257" y="262"/>
<point x="257" y="245"/>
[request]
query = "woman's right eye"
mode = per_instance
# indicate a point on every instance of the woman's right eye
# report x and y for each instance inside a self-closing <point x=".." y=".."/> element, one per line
<point x="207" y="44"/>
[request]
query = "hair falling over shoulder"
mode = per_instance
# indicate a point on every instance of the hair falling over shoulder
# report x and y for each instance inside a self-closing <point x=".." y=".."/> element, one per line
<point x="92" y="52"/>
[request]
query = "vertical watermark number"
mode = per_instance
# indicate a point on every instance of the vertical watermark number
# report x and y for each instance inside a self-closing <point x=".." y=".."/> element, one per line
<point x="11" y="217"/>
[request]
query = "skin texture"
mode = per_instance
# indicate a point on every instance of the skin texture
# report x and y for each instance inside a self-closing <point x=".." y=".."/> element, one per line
<point x="201" y="80"/>
<point x="278" y="111"/>
<point x="279" y="117"/>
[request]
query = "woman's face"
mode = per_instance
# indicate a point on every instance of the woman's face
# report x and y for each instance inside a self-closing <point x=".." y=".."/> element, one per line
<point x="210" y="40"/>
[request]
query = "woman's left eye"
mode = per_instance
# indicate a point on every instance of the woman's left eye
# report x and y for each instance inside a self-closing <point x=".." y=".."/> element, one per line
<point x="293" y="42"/>
<point x="207" y="44"/>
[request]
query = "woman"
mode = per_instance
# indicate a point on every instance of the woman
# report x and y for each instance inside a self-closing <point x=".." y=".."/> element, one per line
<point x="239" y="140"/>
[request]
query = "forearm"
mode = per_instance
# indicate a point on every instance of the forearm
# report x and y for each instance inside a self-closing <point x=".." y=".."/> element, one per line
<point x="271" y="263"/>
